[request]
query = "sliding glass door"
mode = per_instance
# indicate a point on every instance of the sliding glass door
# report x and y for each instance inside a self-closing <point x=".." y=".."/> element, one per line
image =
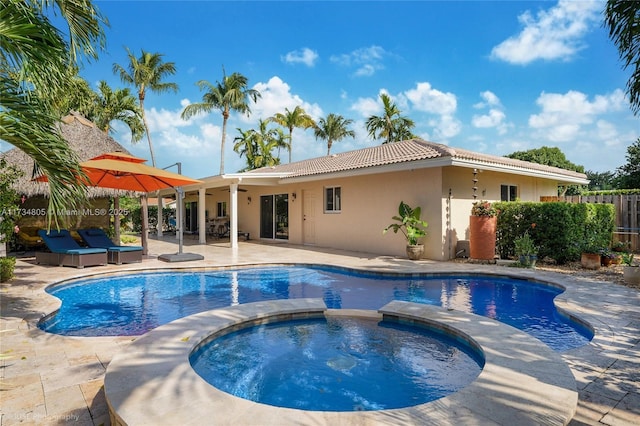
<point x="274" y="216"/>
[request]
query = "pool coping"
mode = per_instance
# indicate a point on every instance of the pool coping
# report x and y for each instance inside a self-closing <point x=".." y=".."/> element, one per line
<point x="523" y="381"/>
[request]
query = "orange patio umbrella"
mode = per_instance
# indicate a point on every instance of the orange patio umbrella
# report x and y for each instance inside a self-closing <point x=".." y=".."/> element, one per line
<point x="117" y="170"/>
<point x="130" y="176"/>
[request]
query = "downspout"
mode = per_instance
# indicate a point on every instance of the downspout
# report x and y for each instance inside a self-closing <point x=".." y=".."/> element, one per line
<point x="449" y="230"/>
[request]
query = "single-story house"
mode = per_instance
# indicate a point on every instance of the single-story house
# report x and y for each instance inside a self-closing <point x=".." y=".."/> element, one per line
<point x="345" y="200"/>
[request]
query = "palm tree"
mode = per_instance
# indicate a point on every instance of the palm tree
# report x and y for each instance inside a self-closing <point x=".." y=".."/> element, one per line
<point x="119" y="105"/>
<point x="35" y="58"/>
<point x="622" y="17"/>
<point x="147" y="72"/>
<point x="292" y="119"/>
<point x="232" y="94"/>
<point x="246" y="147"/>
<point x="333" y="129"/>
<point x="76" y="95"/>
<point x="390" y="126"/>
<point x="257" y="146"/>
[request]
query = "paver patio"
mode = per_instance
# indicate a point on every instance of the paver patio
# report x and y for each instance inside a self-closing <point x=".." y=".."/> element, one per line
<point x="56" y="380"/>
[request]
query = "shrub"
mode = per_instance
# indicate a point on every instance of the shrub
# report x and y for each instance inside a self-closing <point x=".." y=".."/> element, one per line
<point x="560" y="230"/>
<point x="7" y="266"/>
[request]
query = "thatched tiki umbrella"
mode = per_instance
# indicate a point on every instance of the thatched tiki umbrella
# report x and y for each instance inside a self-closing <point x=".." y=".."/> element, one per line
<point x="87" y="141"/>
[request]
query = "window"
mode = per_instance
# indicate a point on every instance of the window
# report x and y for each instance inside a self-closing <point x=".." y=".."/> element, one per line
<point x="222" y="209"/>
<point x="332" y="199"/>
<point x="508" y="192"/>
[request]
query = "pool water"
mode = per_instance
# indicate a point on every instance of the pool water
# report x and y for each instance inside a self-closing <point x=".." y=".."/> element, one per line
<point x="131" y="305"/>
<point x="337" y="364"/>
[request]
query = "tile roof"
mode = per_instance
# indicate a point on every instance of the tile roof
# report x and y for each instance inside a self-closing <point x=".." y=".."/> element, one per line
<point x="403" y="152"/>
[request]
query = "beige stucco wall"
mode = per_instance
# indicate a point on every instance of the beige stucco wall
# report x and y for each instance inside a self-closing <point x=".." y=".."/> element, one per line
<point x="369" y="202"/>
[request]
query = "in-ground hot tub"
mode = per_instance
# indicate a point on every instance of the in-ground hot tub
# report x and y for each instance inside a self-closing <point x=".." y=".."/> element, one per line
<point x="338" y="363"/>
<point x="522" y="382"/>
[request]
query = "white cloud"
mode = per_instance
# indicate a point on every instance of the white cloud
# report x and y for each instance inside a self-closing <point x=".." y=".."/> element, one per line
<point x="366" y="107"/>
<point x="427" y="99"/>
<point x="493" y="119"/>
<point x="555" y="33"/>
<point x="186" y="145"/>
<point x="303" y="56"/>
<point x="446" y="127"/>
<point x="163" y="119"/>
<point x="490" y="99"/>
<point x="563" y="116"/>
<point x="276" y="96"/>
<point x="367" y="60"/>
<point x="365" y="71"/>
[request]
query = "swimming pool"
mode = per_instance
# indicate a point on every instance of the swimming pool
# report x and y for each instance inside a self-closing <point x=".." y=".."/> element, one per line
<point x="135" y="303"/>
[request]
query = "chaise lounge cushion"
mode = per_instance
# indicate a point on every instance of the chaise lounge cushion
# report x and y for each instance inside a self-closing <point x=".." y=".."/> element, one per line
<point x="65" y="251"/>
<point x="96" y="237"/>
<point x="62" y="242"/>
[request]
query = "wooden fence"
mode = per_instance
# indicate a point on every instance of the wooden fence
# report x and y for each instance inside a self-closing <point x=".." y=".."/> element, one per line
<point x="627" y="208"/>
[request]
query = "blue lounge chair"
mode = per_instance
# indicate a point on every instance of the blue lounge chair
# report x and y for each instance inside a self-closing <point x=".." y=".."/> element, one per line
<point x="65" y="251"/>
<point x="96" y="237"/>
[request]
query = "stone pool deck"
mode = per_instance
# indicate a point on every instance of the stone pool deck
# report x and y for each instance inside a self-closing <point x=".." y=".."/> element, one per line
<point x="55" y="380"/>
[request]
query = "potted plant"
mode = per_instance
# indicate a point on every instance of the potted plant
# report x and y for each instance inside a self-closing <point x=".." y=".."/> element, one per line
<point x="608" y="257"/>
<point x="412" y="227"/>
<point x="590" y="256"/>
<point x="630" y="269"/>
<point x="526" y="251"/>
<point x="482" y="230"/>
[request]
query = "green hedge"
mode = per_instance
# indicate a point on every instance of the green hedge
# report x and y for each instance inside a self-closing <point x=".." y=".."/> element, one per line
<point x="561" y="231"/>
<point x="7" y="266"/>
<point x="136" y="216"/>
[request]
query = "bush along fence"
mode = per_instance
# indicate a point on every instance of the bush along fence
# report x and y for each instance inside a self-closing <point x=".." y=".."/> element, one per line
<point x="627" y="211"/>
<point x="561" y="231"/>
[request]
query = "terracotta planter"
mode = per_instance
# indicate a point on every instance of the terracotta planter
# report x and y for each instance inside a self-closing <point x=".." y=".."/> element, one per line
<point x="415" y="252"/>
<point x="482" y="237"/>
<point x="631" y="274"/>
<point x="608" y="261"/>
<point x="590" y="260"/>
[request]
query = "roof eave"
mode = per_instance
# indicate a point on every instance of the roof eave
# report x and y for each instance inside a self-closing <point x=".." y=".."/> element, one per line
<point x="522" y="171"/>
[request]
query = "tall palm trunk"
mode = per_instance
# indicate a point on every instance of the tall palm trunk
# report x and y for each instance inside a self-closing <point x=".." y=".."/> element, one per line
<point x="290" y="142"/>
<point x="225" y="117"/>
<point x="146" y="129"/>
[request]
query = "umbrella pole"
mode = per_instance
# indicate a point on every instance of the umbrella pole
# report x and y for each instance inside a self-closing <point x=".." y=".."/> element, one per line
<point x="180" y="256"/>
<point x="116" y="219"/>
<point x="180" y="230"/>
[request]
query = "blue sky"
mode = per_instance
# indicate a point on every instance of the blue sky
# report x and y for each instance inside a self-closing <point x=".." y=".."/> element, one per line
<point x="493" y="77"/>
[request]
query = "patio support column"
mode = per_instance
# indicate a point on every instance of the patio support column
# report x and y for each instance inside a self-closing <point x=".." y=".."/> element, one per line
<point x="159" y="224"/>
<point x="144" y="237"/>
<point x="233" y="233"/>
<point x="202" y="219"/>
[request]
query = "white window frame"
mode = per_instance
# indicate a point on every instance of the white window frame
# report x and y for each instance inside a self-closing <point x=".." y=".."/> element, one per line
<point x="509" y="190"/>
<point x="335" y="200"/>
<point x="221" y="206"/>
